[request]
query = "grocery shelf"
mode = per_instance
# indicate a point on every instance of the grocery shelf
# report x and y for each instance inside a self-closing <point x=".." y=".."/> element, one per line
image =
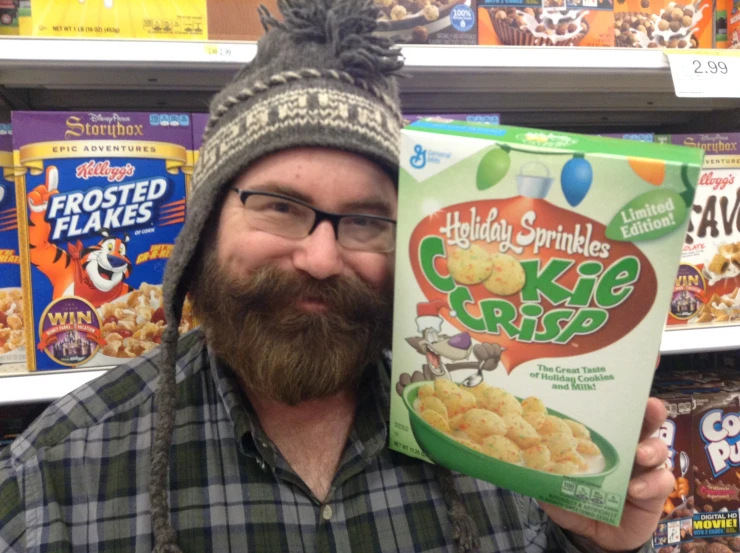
<point x="690" y="339"/>
<point x="48" y="386"/>
<point x="538" y="86"/>
<point x="43" y="386"/>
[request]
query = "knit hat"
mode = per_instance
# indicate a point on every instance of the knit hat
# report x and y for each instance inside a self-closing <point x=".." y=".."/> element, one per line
<point x="321" y="78"/>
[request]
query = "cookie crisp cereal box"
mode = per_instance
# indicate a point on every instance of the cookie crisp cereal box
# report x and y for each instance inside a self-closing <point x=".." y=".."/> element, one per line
<point x="533" y="273"/>
<point x="12" y="344"/>
<point x="144" y="19"/>
<point x="707" y="289"/>
<point x="103" y="198"/>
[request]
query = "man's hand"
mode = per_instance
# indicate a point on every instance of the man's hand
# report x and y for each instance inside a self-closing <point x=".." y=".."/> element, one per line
<point x="646" y="495"/>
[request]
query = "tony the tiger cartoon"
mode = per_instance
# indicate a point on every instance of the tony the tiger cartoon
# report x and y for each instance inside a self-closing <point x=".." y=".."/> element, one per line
<point x="104" y="197"/>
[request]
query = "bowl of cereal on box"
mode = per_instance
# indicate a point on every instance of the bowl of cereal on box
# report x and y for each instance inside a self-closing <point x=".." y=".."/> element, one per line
<point x="414" y="20"/>
<point x="490" y="434"/>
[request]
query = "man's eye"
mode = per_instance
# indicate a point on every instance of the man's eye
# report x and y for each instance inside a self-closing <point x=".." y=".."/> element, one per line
<point x="281" y="207"/>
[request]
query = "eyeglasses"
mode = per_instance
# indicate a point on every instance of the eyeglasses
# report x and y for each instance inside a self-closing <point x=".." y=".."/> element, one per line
<point x="291" y="218"/>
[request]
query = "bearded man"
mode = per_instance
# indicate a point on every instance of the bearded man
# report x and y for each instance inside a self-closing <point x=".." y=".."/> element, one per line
<point x="266" y="429"/>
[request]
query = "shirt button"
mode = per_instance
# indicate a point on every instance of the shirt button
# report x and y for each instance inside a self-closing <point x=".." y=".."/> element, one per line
<point x="326" y="512"/>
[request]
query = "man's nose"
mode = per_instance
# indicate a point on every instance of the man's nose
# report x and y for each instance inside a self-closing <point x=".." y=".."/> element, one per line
<point x="319" y="254"/>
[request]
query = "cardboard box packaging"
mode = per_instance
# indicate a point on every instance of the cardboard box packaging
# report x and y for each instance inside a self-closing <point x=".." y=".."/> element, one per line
<point x="143" y="19"/>
<point x="530" y="297"/>
<point x="490" y="118"/>
<point x="720" y="23"/>
<point x="546" y="22"/>
<point x="733" y="24"/>
<point x="103" y="199"/>
<point x="664" y="24"/>
<point x="12" y="316"/>
<point x="706" y="289"/>
<point x="9" y="17"/>
<point x="438" y="22"/>
<point x="237" y="19"/>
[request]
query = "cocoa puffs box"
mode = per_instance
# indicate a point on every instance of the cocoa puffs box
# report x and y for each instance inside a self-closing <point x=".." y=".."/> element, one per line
<point x="533" y="273"/>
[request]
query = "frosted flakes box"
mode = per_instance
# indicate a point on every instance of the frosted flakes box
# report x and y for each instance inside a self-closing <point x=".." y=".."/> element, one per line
<point x="143" y="19"/>
<point x="12" y="319"/>
<point x="708" y="280"/>
<point x="103" y="198"/>
<point x="533" y="273"/>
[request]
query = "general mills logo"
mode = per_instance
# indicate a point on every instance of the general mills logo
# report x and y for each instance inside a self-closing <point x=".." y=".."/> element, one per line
<point x="419" y="159"/>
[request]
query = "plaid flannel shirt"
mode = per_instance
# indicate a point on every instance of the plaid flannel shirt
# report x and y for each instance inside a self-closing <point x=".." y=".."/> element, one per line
<point x="77" y="479"/>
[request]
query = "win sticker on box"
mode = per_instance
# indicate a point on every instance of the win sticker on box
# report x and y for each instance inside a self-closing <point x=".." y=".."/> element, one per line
<point x="104" y="198"/>
<point x="534" y="272"/>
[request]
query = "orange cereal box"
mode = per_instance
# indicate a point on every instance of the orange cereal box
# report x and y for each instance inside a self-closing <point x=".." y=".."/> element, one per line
<point x="664" y="24"/>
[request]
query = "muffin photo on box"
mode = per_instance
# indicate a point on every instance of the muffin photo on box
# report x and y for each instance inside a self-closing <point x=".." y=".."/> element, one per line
<point x="657" y="24"/>
<point x="546" y="23"/>
<point x="429" y="21"/>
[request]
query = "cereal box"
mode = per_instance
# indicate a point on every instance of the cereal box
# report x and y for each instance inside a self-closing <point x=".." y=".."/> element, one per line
<point x="676" y="523"/>
<point x="237" y="19"/>
<point x="640" y="137"/>
<point x="722" y="10"/>
<point x="200" y="120"/>
<point x="490" y="118"/>
<point x="546" y="22"/>
<point x="429" y="22"/>
<point x="104" y="198"/>
<point x="144" y="19"/>
<point x="706" y="289"/>
<point x="664" y="24"/>
<point x="9" y="17"/>
<point x="12" y="340"/>
<point x="530" y="297"/>
<point x="716" y="461"/>
<point x="733" y="24"/>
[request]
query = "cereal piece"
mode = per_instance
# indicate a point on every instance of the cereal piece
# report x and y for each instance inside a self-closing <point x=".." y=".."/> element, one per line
<point x="436" y="420"/>
<point x="536" y="457"/>
<point x="587" y="447"/>
<point x="433" y="403"/>
<point x="427" y="390"/>
<point x="445" y="388"/>
<point x="470" y="444"/>
<point x="533" y="418"/>
<point x="480" y="423"/>
<point x="469" y="266"/>
<point x="520" y="431"/>
<point x="431" y="12"/>
<point x="560" y="445"/>
<point x="15" y="322"/>
<point x="502" y="448"/>
<point x="479" y="390"/>
<point x="111" y="348"/>
<point x="534" y="404"/>
<point x="457" y="422"/>
<point x="579" y="430"/>
<point x="508" y="276"/>
<point x="554" y="425"/>
<point x="459" y="403"/>
<point x="501" y="402"/>
<point x="719" y="264"/>
<point x="564" y="468"/>
<point x="398" y="12"/>
<point x="575" y="458"/>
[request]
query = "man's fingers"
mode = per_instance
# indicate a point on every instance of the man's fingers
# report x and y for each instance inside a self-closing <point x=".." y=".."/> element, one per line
<point x="655" y="415"/>
<point x="656" y="484"/>
<point x="651" y="453"/>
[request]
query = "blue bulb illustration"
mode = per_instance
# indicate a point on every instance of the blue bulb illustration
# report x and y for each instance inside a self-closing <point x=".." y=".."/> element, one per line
<point x="576" y="179"/>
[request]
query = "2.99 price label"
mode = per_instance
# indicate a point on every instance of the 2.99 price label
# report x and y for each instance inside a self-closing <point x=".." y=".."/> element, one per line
<point x="705" y="73"/>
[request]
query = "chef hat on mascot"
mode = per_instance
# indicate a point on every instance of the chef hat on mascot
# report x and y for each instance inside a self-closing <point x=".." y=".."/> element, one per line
<point x="427" y="315"/>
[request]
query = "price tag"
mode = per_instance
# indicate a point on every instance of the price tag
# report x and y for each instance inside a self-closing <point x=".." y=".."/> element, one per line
<point x="218" y="51"/>
<point x="705" y="73"/>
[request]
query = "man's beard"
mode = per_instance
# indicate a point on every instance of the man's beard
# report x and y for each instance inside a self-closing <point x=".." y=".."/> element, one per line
<point x="281" y="352"/>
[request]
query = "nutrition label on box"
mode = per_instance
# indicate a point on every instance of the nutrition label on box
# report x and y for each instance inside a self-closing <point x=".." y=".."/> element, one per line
<point x="705" y="74"/>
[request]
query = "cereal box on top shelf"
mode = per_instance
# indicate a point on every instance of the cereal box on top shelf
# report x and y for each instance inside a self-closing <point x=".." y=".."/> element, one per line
<point x="9" y="17"/>
<point x="103" y="198"/>
<point x="708" y="280"/>
<point x="12" y="318"/>
<point x="733" y="24"/>
<point x="664" y="24"/>
<point x="722" y="11"/>
<point x="490" y="118"/>
<point x="237" y="19"/>
<point x="546" y="22"/>
<point x="530" y="300"/>
<point x="429" y="22"/>
<point x="144" y="19"/>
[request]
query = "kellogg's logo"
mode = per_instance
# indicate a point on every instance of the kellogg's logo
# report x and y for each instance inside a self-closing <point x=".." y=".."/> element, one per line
<point x="102" y="126"/>
<point x="539" y="280"/>
<point x="103" y="169"/>
<point x="721" y="434"/>
<point x="717" y="183"/>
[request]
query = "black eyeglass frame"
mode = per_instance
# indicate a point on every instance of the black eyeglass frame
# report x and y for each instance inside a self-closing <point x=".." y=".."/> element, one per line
<point x="320" y="215"/>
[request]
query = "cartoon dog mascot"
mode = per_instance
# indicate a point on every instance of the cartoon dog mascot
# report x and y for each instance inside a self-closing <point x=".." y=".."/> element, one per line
<point x="95" y="273"/>
<point x="439" y="348"/>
